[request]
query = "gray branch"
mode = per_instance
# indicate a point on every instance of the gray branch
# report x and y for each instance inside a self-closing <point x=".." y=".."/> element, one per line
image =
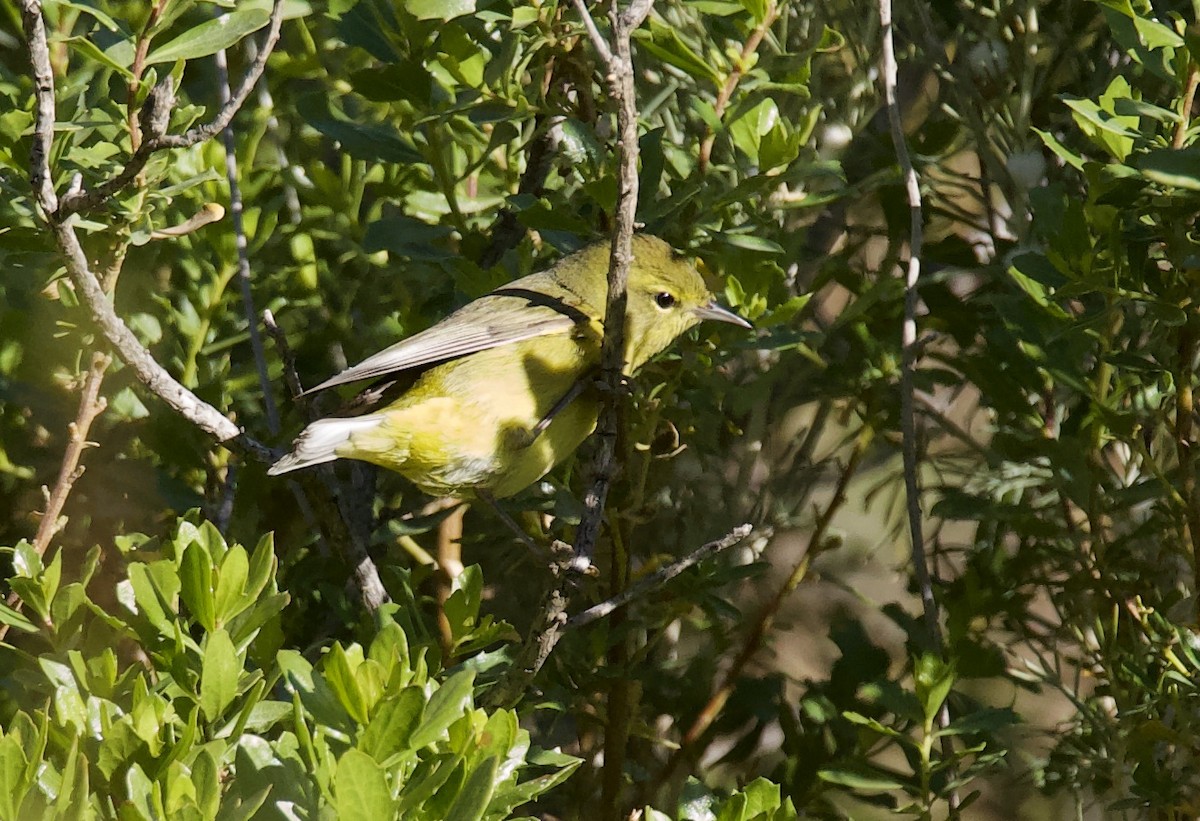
<point x="85" y="200"/>
<point x="659" y="578"/>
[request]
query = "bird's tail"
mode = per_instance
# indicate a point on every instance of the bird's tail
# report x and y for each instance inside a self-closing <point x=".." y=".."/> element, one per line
<point x="319" y="442"/>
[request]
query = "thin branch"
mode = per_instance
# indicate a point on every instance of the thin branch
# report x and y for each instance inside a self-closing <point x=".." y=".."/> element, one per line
<point x="91" y="405"/>
<point x="239" y="232"/>
<point x="598" y="41"/>
<point x="43" y="83"/>
<point x="153" y="375"/>
<point x="765" y="620"/>
<point x="544" y="634"/>
<point x="659" y="578"/>
<point x="86" y="200"/>
<point x="908" y="339"/>
<point x="290" y="376"/>
<point x="910" y="352"/>
<point x="619" y="75"/>
<point x="731" y="82"/>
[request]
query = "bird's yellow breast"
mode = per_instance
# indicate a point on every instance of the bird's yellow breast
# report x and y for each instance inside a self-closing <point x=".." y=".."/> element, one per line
<point x="468" y="424"/>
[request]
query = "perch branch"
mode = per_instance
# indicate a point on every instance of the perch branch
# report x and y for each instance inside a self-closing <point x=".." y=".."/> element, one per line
<point x="618" y="62"/>
<point x="153" y="375"/>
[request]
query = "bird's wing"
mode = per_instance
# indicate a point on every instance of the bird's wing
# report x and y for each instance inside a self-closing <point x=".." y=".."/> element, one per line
<point x="478" y="326"/>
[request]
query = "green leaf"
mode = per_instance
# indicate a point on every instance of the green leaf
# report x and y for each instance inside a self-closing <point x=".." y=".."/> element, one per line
<point x="447" y="704"/>
<point x="438" y="9"/>
<point x="219" y="674"/>
<point x="1174" y="167"/>
<point x="864" y="781"/>
<point x="392" y="724"/>
<point x="229" y="599"/>
<point x="664" y="42"/>
<point x="91" y="51"/>
<point x="210" y="36"/>
<point x="101" y="18"/>
<point x="342" y="681"/>
<point x="360" y="789"/>
<point x="13" y="766"/>
<point x="364" y="141"/>
<point x="933" y="678"/>
<point x="473" y="799"/>
<point x="747" y="130"/>
<point x="196" y="585"/>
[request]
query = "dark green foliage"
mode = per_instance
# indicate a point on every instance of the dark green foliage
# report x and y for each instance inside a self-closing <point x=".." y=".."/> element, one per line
<point x="404" y="157"/>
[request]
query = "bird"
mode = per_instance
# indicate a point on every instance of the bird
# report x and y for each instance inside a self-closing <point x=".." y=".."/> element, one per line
<point x="495" y="395"/>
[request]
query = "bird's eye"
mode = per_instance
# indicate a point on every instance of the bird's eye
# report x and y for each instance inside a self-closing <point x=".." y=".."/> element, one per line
<point x="664" y="300"/>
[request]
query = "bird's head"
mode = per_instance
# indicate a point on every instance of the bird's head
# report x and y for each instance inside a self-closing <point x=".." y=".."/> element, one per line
<point x="666" y="297"/>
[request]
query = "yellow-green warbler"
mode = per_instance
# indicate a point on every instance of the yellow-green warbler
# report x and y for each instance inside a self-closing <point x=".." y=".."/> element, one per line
<point x="504" y="386"/>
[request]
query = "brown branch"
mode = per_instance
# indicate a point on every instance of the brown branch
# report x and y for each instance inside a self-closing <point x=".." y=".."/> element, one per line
<point x="91" y="405"/>
<point x="319" y="495"/>
<point x="1184" y="415"/>
<point x="138" y="66"/>
<point x="85" y="200"/>
<point x="544" y="634"/>
<point x="548" y="627"/>
<point x="290" y="376"/>
<point x="731" y="82"/>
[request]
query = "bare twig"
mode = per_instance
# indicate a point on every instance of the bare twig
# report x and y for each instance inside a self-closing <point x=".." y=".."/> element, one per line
<point x="91" y="405"/>
<point x="85" y="200"/>
<point x="910" y="352"/>
<point x="290" y="376"/>
<point x="731" y="82"/>
<point x="765" y="620"/>
<point x="619" y="74"/>
<point x="450" y="566"/>
<point x="908" y="340"/>
<point x="659" y="578"/>
<point x="239" y="232"/>
<point x="154" y="376"/>
<point x="43" y="82"/>
<point x="548" y="627"/>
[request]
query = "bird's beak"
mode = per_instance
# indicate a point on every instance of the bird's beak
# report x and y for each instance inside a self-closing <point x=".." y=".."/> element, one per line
<point x="714" y="311"/>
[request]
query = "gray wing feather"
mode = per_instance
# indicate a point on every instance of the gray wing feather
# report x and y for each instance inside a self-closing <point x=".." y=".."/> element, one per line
<point x="449" y="340"/>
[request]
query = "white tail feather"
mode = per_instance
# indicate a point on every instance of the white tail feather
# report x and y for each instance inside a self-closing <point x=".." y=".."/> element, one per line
<point x="319" y="442"/>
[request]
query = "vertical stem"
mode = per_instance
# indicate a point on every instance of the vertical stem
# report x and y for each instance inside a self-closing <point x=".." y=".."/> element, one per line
<point x="1184" y="414"/>
<point x="449" y="560"/>
<point x="243" y="267"/>
<point x="908" y="344"/>
<point x="621" y="88"/>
